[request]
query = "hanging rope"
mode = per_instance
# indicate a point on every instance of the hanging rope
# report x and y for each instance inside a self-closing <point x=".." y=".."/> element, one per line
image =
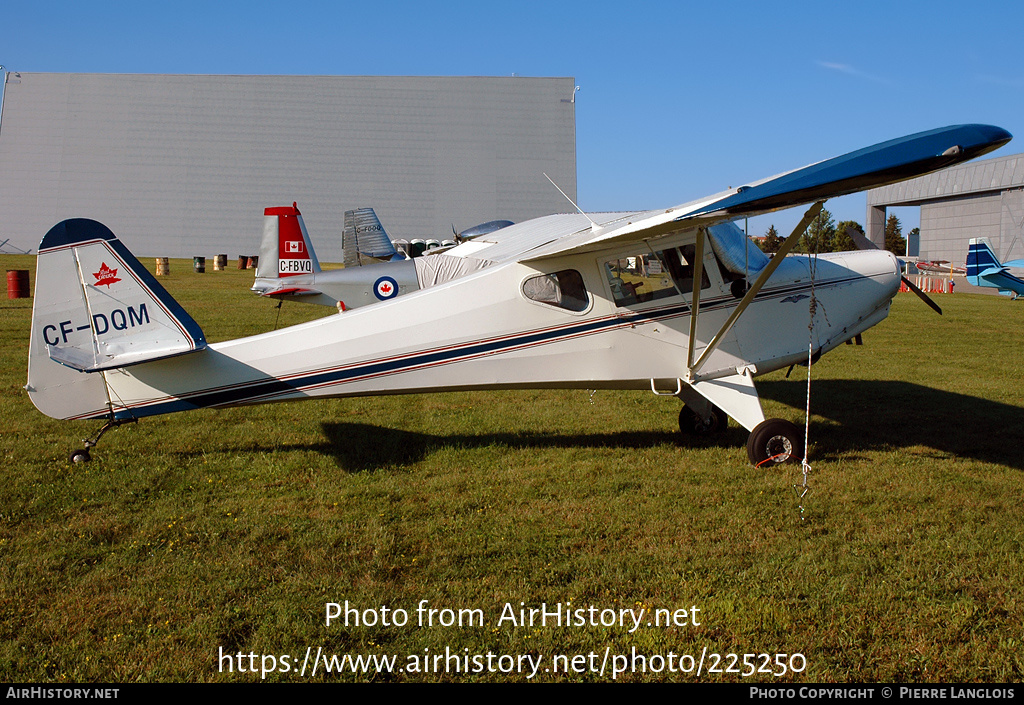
<point x="812" y="308"/>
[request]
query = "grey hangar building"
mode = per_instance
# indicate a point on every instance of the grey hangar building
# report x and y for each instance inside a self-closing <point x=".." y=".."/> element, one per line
<point x="184" y="165"/>
<point x="977" y="199"/>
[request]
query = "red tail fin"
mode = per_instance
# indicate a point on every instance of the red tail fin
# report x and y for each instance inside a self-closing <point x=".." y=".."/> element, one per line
<point x="286" y="250"/>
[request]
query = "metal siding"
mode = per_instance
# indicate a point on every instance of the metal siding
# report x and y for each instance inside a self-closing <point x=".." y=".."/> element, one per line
<point x="185" y="165"/>
<point x="975" y="177"/>
<point x="980" y="199"/>
<point x="946" y="226"/>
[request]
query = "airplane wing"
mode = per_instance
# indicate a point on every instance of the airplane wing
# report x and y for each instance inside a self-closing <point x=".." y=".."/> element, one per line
<point x="878" y="165"/>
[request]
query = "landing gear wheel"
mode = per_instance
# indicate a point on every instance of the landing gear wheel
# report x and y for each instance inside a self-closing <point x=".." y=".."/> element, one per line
<point x="80" y="456"/>
<point x="692" y="424"/>
<point x="775" y="441"/>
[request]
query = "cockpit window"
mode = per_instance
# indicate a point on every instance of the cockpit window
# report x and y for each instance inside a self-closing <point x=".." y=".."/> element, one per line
<point x="648" y="277"/>
<point x="564" y="289"/>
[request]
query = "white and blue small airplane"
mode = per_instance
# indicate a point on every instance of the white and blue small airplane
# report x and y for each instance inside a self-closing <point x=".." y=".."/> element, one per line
<point x="375" y="270"/>
<point x="985" y="269"/>
<point x="676" y="301"/>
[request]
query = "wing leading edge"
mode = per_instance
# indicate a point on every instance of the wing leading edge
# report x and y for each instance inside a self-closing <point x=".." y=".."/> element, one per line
<point x="878" y="165"/>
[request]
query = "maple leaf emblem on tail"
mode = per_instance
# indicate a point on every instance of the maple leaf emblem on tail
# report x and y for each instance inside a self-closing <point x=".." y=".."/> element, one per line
<point x="106" y="276"/>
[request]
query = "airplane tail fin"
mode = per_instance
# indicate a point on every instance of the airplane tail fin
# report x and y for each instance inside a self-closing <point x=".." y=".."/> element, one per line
<point x="286" y="249"/>
<point x="96" y="308"/>
<point x="980" y="258"/>
<point x="364" y="239"/>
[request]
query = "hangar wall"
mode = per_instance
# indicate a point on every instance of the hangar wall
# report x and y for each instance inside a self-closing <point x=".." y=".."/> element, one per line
<point x="181" y="165"/>
<point x="978" y="199"/>
<point x="951" y="224"/>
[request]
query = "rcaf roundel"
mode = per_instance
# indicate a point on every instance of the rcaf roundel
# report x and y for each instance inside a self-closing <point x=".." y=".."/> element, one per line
<point x="385" y="288"/>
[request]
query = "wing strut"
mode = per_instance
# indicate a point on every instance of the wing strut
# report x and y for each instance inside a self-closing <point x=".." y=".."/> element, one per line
<point x="789" y="243"/>
<point x="698" y="276"/>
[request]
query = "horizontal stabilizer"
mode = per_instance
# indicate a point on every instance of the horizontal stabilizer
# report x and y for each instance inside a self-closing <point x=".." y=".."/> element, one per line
<point x="291" y="291"/>
<point x="985" y="269"/>
<point x="1002" y="279"/>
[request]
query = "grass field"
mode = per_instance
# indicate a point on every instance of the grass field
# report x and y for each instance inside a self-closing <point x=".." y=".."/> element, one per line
<point x="212" y="532"/>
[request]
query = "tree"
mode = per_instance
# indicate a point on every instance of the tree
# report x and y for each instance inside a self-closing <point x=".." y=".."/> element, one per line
<point x="771" y="242"/>
<point x="894" y="241"/>
<point x="819" y="235"/>
<point x="843" y="242"/>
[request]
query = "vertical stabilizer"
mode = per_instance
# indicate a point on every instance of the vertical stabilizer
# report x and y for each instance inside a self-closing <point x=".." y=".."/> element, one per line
<point x="985" y="269"/>
<point x="286" y="250"/>
<point x="364" y="239"/>
<point x="980" y="258"/>
<point x="96" y="308"/>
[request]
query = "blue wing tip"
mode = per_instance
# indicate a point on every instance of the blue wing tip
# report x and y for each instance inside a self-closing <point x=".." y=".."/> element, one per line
<point x="990" y="135"/>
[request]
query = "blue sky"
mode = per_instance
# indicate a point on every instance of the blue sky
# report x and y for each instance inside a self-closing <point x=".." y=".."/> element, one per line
<point x="677" y="100"/>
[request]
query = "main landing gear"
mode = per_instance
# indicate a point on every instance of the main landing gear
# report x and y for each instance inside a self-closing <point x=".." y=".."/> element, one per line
<point x="82" y="454"/>
<point x="772" y="442"/>
<point x="693" y="424"/>
<point x="775" y="441"/>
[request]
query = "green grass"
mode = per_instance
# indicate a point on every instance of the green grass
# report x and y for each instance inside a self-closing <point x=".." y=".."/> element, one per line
<point x="232" y="529"/>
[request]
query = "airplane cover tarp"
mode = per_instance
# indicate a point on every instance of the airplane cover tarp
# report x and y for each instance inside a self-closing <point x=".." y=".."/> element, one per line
<point x="432" y="270"/>
<point x="735" y="251"/>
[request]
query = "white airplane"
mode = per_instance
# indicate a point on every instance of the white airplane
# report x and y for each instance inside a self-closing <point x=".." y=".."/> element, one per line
<point x="374" y="269"/>
<point x="675" y="301"/>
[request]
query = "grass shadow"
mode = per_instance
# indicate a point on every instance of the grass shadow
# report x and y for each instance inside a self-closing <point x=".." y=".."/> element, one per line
<point x="878" y="415"/>
<point x="359" y="447"/>
<point x="863" y="416"/>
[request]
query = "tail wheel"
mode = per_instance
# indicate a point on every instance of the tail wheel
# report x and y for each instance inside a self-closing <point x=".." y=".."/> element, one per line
<point x="775" y="441"/>
<point x="690" y="423"/>
<point x="80" y="456"/>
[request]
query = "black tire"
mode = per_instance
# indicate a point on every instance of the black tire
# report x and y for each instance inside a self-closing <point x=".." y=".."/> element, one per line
<point x="775" y="441"/>
<point x="693" y="425"/>
<point x="80" y="456"/>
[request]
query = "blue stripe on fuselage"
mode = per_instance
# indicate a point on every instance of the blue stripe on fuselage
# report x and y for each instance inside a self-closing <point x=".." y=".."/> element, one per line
<point x="270" y="388"/>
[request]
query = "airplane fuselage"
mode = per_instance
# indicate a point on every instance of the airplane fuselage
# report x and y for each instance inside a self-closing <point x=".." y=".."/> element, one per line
<point x="431" y="341"/>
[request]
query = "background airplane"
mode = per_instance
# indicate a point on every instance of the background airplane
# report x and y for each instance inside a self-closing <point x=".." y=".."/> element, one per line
<point x="638" y="300"/>
<point x="985" y="269"/>
<point x="939" y="267"/>
<point x="374" y="268"/>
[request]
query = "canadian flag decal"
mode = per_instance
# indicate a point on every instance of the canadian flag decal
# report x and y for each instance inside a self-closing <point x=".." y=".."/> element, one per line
<point x="293" y="246"/>
<point x="106" y="276"/>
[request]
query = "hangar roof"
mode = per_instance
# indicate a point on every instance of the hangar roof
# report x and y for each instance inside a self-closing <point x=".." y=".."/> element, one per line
<point x="967" y="179"/>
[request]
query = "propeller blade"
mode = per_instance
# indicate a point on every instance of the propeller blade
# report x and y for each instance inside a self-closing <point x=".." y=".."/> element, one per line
<point x="864" y="244"/>
<point x="921" y="295"/>
<point x="860" y="240"/>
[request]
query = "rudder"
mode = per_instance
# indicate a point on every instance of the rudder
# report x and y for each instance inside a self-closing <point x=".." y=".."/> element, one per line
<point x="285" y="250"/>
<point x="96" y="308"/>
<point x="364" y="239"/>
<point x="980" y="258"/>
